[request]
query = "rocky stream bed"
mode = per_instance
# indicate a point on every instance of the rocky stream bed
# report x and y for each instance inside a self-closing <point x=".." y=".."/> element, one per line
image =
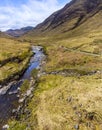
<point x="11" y="102"/>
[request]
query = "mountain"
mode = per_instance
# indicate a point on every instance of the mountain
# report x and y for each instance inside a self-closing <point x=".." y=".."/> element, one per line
<point x="80" y="10"/>
<point x="18" y="32"/>
<point x="68" y="93"/>
<point x="74" y="14"/>
<point x="4" y="35"/>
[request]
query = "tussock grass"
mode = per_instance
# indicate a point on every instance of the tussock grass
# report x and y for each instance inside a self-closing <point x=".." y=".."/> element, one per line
<point x="11" y="48"/>
<point x="60" y="103"/>
<point x="14" y="57"/>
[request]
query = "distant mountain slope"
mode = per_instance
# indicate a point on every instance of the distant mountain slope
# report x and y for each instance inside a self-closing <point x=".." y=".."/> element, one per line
<point x="77" y="13"/>
<point x="3" y="35"/>
<point x="18" y="32"/>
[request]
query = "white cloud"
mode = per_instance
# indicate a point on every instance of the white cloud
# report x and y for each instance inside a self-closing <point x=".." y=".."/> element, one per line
<point x="29" y="14"/>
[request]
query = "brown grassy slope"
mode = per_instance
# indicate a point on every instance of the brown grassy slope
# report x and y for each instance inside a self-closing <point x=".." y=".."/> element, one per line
<point x="64" y="103"/>
<point x="14" y="57"/>
<point x="3" y="35"/>
<point x="68" y="18"/>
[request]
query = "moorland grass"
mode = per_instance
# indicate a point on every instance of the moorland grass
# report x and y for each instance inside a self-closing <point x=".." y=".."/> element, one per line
<point x="14" y="58"/>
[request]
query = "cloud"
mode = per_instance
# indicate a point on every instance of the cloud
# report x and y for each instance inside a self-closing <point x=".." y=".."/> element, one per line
<point x="29" y="14"/>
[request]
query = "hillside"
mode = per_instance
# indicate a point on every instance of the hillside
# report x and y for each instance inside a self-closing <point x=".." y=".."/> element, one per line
<point x="77" y="11"/>
<point x="76" y="33"/>
<point x="14" y="58"/>
<point x="3" y="35"/>
<point x="68" y="94"/>
<point x="18" y="32"/>
<point x="74" y="16"/>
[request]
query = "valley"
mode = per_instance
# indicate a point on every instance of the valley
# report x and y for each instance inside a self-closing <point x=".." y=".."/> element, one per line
<point x="65" y="78"/>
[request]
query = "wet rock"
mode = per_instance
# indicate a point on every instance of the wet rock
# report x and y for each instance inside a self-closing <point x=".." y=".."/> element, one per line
<point x="18" y="96"/>
<point x="21" y="100"/>
<point x="28" y="93"/>
<point x="18" y="89"/>
<point x="5" y="127"/>
<point x="13" y="92"/>
<point x="4" y="89"/>
<point x="14" y="111"/>
<point x="31" y="96"/>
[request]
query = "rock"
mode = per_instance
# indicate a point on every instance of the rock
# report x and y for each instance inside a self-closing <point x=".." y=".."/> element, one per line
<point x="28" y="93"/>
<point x="13" y="92"/>
<point x="31" y="96"/>
<point x="76" y="127"/>
<point x="4" y="89"/>
<point x="18" y="88"/>
<point x="19" y="108"/>
<point x="18" y="96"/>
<point x="14" y="111"/>
<point x="21" y="100"/>
<point x="5" y="127"/>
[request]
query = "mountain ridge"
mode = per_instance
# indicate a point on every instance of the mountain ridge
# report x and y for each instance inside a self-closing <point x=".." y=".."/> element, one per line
<point x="68" y="10"/>
<point x="18" y="32"/>
<point x="68" y="18"/>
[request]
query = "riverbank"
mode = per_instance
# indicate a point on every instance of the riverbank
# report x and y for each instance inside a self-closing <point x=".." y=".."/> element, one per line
<point x="14" y="59"/>
<point x="16" y="93"/>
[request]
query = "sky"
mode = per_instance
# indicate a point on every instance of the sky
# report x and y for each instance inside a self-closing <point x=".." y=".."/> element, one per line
<point x="15" y="14"/>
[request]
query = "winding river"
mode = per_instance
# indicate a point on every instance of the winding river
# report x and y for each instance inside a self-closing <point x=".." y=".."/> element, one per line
<point x="9" y="97"/>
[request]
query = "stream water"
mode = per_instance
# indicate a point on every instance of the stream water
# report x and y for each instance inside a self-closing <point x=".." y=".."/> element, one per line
<point x="9" y="97"/>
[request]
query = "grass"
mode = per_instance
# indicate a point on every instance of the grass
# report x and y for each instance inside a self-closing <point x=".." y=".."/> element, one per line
<point x="77" y="57"/>
<point x="25" y="86"/>
<point x="16" y="126"/>
<point x="10" y="48"/>
<point x="63" y="102"/>
<point x="14" y="58"/>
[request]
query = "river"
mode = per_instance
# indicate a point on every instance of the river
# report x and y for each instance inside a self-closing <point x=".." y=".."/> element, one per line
<point x="9" y="95"/>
